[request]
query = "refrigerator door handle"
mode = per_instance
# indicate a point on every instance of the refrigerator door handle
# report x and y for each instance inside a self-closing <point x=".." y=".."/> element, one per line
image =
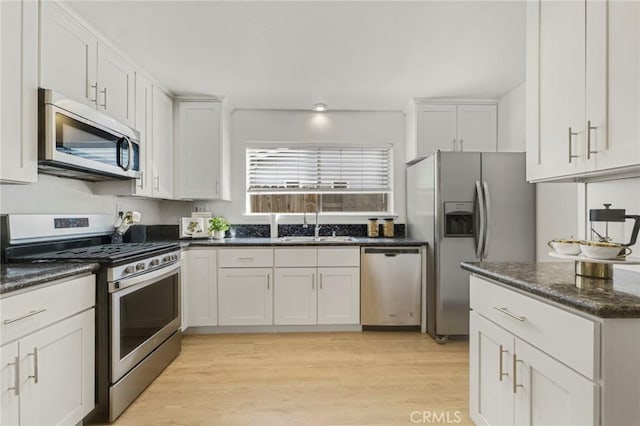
<point x="487" y="228"/>
<point x="480" y="236"/>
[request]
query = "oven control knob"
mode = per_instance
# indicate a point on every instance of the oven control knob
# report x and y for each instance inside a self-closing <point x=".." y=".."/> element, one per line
<point x="128" y="270"/>
<point x="140" y="266"/>
<point x="174" y="257"/>
<point x="154" y="262"/>
<point x="166" y="259"/>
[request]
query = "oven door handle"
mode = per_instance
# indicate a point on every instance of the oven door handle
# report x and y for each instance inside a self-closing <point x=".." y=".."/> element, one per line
<point x="144" y="279"/>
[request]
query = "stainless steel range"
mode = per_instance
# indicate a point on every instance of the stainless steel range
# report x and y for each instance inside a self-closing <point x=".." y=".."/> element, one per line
<point x="138" y="298"/>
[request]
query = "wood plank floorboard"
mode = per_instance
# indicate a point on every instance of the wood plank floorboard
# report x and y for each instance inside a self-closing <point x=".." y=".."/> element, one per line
<point x="347" y="379"/>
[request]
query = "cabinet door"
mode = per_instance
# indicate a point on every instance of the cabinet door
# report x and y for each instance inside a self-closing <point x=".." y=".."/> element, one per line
<point x="10" y="383"/>
<point x="245" y="296"/>
<point x="549" y="392"/>
<point x="198" y="150"/>
<point x="57" y="372"/>
<point x="295" y="296"/>
<point x="115" y="85"/>
<point x="490" y="372"/>
<point x="143" y="120"/>
<point x="436" y="128"/>
<point x="555" y="89"/>
<point x="201" y="286"/>
<point x="477" y="128"/>
<point x="162" y="144"/>
<point x="338" y="295"/>
<point x="19" y="88"/>
<point x="68" y="56"/>
<point x="613" y="86"/>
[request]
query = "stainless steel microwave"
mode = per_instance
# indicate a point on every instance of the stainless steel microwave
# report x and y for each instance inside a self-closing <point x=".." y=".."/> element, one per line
<point x="75" y="140"/>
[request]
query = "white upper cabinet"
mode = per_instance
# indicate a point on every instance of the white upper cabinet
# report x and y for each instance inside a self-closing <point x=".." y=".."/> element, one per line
<point x="201" y="149"/>
<point x="162" y="165"/>
<point x="68" y="56"/>
<point x="583" y="94"/>
<point x="74" y="63"/>
<point x="447" y="126"/>
<point x="19" y="88"/>
<point x="143" y="121"/>
<point x="116" y="85"/>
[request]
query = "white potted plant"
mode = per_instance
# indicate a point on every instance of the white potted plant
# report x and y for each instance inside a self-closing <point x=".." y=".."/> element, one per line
<point x="217" y="227"/>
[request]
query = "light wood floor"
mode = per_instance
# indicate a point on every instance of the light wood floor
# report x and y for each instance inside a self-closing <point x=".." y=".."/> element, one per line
<point x="370" y="378"/>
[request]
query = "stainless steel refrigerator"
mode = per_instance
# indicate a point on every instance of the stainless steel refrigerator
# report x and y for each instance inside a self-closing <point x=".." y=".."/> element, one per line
<point x="468" y="206"/>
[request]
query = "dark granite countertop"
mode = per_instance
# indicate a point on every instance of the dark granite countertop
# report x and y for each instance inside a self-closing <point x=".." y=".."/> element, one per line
<point x="17" y="276"/>
<point x="239" y="242"/>
<point x="556" y="281"/>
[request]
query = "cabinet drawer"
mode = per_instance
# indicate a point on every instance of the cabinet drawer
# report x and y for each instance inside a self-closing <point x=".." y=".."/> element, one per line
<point x="46" y="306"/>
<point x="565" y="336"/>
<point x="245" y="258"/>
<point x="296" y="257"/>
<point x="339" y="256"/>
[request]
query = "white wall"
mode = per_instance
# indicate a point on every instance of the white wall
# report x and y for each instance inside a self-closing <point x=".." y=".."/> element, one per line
<point x="511" y="120"/>
<point x="348" y="127"/>
<point x="622" y="194"/>
<point x="57" y="195"/>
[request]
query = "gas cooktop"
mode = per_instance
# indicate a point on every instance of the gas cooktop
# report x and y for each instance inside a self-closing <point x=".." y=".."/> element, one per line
<point x="100" y="253"/>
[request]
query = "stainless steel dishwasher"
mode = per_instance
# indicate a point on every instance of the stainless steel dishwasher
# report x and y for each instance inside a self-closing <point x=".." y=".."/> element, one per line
<point x="391" y="280"/>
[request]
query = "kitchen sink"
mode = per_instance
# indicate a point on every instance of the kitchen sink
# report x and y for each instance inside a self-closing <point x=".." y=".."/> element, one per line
<point x="318" y="239"/>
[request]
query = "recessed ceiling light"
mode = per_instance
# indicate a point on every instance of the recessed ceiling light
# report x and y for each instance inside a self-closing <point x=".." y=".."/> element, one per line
<point x="319" y="108"/>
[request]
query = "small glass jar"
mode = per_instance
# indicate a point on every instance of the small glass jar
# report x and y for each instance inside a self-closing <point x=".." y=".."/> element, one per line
<point x="372" y="228"/>
<point x="387" y="229"/>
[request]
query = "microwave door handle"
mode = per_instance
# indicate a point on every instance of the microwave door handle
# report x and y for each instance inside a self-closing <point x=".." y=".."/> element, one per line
<point x="119" y="153"/>
<point x="487" y="228"/>
<point x="480" y="235"/>
<point x="130" y="155"/>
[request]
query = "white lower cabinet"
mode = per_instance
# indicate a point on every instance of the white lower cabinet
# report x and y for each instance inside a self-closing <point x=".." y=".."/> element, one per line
<point x="339" y="295"/>
<point x="536" y="362"/>
<point x="513" y="383"/>
<point x="245" y="296"/>
<point x="47" y="357"/>
<point x="201" y="287"/>
<point x="295" y="297"/>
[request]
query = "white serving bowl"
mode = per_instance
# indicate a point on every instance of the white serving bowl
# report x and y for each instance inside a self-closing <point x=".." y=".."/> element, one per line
<point x="571" y="247"/>
<point x="604" y="250"/>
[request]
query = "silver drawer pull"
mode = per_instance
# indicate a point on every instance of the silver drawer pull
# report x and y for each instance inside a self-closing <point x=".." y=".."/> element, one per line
<point x="16" y="378"/>
<point x="515" y="377"/>
<point x="35" y="365"/>
<point x="502" y="351"/>
<point x="509" y="314"/>
<point x="21" y="317"/>
<point x="245" y="259"/>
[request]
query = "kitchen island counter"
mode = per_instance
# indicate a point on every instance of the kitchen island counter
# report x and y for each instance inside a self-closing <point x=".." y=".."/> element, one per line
<point x="18" y="276"/>
<point x="557" y="282"/>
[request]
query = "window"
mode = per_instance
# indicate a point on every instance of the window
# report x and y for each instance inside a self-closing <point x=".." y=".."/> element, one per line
<point x="341" y="179"/>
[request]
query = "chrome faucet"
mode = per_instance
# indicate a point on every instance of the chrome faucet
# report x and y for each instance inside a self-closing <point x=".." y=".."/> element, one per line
<point x="316" y="232"/>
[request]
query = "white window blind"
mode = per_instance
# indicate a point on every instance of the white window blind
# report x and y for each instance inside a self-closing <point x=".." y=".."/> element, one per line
<point x="319" y="169"/>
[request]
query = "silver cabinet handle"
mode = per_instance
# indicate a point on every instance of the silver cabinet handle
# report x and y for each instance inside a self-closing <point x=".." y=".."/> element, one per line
<point x="16" y="379"/>
<point x="320" y="281"/>
<point x="509" y="314"/>
<point x="104" y="91"/>
<point x="515" y="369"/>
<point x="453" y="145"/>
<point x="501" y="374"/>
<point x="217" y="187"/>
<point x="141" y="180"/>
<point x="95" y="93"/>
<point x="157" y="182"/>
<point x="35" y="365"/>
<point x="21" y="317"/>
<point x="268" y="280"/>
<point x="461" y="146"/>
<point x="571" y="135"/>
<point x="589" y="129"/>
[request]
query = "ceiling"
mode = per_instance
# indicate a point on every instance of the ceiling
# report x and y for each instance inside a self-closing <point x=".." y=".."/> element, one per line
<point x="291" y="54"/>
